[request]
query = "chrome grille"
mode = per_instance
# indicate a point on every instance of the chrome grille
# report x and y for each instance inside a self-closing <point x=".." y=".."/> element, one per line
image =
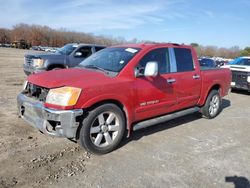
<point x="37" y="92"/>
<point x="239" y="76"/>
<point x="28" y="61"/>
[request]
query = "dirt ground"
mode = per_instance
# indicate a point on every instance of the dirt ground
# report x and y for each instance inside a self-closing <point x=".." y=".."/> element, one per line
<point x="186" y="152"/>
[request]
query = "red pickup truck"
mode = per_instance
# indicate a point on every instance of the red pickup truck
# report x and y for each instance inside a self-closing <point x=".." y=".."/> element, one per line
<point x="120" y="89"/>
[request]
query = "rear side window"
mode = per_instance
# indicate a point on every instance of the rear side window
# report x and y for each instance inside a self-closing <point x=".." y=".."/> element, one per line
<point x="98" y="48"/>
<point x="184" y="59"/>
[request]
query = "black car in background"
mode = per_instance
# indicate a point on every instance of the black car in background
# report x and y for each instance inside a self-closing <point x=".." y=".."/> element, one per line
<point x="207" y="62"/>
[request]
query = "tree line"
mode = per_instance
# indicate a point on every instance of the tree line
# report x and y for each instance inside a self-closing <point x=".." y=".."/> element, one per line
<point x="214" y="51"/>
<point x="39" y="35"/>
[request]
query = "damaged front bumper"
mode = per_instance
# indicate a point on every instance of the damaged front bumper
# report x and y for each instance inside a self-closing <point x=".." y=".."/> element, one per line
<point x="59" y="123"/>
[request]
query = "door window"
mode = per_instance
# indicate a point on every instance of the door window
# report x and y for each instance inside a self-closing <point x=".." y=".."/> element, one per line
<point x="160" y="56"/>
<point x="86" y="51"/>
<point x="184" y="59"/>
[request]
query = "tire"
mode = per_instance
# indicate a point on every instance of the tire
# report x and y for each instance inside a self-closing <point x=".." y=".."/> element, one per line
<point x="103" y="129"/>
<point x="57" y="68"/>
<point x="213" y="105"/>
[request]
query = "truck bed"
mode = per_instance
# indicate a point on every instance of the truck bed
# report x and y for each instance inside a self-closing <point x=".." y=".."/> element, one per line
<point x="202" y="68"/>
<point x="210" y="76"/>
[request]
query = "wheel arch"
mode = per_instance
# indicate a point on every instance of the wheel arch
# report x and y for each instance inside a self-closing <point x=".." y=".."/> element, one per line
<point x="123" y="108"/>
<point x="216" y="87"/>
<point x="216" y="106"/>
<point x="52" y="66"/>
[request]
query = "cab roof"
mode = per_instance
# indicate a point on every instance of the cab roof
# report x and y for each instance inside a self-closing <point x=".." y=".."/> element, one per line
<point x="86" y="44"/>
<point x="149" y="45"/>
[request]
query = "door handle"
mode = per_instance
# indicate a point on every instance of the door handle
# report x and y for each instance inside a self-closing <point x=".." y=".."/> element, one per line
<point x="196" y="76"/>
<point x="170" y="81"/>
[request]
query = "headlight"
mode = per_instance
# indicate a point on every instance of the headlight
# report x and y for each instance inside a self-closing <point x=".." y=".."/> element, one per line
<point x="248" y="79"/>
<point x="64" y="96"/>
<point x="38" y="62"/>
<point x="25" y="85"/>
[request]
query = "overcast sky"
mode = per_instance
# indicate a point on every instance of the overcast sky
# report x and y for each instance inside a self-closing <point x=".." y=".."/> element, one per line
<point x="224" y="23"/>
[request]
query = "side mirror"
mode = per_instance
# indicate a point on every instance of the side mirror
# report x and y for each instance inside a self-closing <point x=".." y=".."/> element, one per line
<point x="78" y="54"/>
<point x="139" y="71"/>
<point x="151" y="69"/>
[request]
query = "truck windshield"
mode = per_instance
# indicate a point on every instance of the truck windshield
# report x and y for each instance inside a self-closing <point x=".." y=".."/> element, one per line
<point x="67" y="49"/>
<point x="110" y="59"/>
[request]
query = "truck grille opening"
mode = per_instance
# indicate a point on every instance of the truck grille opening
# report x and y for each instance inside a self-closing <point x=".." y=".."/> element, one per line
<point x="37" y="92"/>
<point x="28" y="61"/>
<point x="239" y="76"/>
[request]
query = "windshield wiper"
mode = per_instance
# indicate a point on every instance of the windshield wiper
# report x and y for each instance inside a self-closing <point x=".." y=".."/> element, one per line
<point x="96" y="67"/>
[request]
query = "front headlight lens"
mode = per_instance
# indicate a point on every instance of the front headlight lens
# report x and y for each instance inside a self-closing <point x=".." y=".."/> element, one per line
<point x="248" y="79"/>
<point x="25" y="85"/>
<point x="38" y="62"/>
<point x="64" y="96"/>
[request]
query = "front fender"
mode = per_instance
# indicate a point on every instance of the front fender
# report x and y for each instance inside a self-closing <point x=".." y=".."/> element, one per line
<point x="127" y="105"/>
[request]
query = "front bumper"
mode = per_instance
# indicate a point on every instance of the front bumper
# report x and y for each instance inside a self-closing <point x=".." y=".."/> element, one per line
<point x="241" y="86"/>
<point x="240" y="80"/>
<point x="59" y="123"/>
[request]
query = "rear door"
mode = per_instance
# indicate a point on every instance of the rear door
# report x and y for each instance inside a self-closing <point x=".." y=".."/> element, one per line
<point x="188" y="80"/>
<point x="155" y="95"/>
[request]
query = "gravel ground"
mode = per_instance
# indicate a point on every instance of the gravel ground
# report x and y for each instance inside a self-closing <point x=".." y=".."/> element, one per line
<point x="186" y="152"/>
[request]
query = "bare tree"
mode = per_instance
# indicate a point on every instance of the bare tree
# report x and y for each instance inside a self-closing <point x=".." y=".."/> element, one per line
<point x="4" y="35"/>
<point x="45" y="36"/>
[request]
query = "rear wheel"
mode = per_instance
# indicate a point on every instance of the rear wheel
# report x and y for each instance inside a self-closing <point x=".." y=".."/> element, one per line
<point x="212" y="106"/>
<point x="102" y="130"/>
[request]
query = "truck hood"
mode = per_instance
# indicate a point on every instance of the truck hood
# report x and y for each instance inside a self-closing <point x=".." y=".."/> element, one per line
<point x="46" y="56"/>
<point x="243" y="68"/>
<point x="75" y="77"/>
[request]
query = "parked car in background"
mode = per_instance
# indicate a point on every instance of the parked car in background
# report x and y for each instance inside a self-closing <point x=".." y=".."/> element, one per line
<point x="21" y="44"/>
<point x="35" y="48"/>
<point x="207" y="62"/>
<point x="127" y="87"/>
<point x="240" y="68"/>
<point x="68" y="56"/>
<point x="48" y="49"/>
<point x="5" y="45"/>
<point x="220" y="61"/>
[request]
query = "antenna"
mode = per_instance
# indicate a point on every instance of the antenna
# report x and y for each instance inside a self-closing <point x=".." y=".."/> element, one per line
<point x="65" y="57"/>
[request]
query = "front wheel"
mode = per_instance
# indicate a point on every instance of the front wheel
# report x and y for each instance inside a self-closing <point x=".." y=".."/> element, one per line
<point x="57" y="68"/>
<point x="212" y="106"/>
<point x="102" y="130"/>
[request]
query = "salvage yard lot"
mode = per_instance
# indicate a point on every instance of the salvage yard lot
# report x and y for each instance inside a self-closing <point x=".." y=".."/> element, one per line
<point x="186" y="152"/>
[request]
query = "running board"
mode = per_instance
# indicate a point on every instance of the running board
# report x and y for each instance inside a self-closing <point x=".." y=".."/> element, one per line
<point x="161" y="119"/>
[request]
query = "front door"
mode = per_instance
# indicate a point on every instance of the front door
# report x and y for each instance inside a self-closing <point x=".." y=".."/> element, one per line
<point x="79" y="55"/>
<point x="155" y="95"/>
